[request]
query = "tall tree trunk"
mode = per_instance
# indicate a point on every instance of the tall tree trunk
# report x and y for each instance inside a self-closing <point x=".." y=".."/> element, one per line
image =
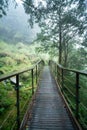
<point x="60" y="37"/>
<point x="60" y="46"/>
<point x="65" y="54"/>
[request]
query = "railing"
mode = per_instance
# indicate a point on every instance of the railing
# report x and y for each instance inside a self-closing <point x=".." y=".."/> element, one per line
<point x="73" y="85"/>
<point x="33" y="72"/>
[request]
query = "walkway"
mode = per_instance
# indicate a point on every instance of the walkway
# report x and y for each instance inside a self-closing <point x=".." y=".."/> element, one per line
<point x="48" y="112"/>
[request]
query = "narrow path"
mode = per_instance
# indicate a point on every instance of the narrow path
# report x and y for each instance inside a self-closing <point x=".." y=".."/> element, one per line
<point x="48" y="112"/>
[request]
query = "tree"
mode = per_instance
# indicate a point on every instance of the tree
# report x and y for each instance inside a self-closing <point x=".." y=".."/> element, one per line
<point x="4" y="4"/>
<point x="59" y="18"/>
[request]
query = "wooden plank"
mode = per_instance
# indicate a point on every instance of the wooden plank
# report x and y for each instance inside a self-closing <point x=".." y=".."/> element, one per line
<point x="48" y="112"/>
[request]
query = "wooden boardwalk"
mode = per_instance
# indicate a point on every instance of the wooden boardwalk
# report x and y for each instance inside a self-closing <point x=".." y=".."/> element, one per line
<point x="49" y="112"/>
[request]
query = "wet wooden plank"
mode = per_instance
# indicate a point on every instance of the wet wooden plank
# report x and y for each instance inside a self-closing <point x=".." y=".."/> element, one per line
<point x="48" y="112"/>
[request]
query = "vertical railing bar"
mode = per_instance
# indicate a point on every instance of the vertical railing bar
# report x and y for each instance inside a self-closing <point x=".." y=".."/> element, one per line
<point x="36" y="74"/>
<point x="62" y="79"/>
<point x="32" y="77"/>
<point x="57" y="73"/>
<point x="77" y="95"/>
<point x="60" y="75"/>
<point x="17" y="103"/>
<point x="38" y="69"/>
<point x="55" y="70"/>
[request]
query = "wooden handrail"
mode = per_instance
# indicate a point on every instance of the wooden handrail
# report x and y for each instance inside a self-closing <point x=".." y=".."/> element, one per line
<point x="72" y="70"/>
<point x="60" y="73"/>
<point x="6" y="76"/>
<point x="16" y="74"/>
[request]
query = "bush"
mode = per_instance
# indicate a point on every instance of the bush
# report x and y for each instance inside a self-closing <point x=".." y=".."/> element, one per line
<point x="2" y="110"/>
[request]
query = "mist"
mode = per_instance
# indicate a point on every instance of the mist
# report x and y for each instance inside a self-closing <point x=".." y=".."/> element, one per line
<point x="14" y="26"/>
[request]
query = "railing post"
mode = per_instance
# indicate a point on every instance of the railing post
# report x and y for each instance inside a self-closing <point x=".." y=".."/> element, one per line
<point x="77" y="95"/>
<point x="32" y="81"/>
<point x="49" y="63"/>
<point x="60" y="76"/>
<point x="55" y="70"/>
<point x="62" y="79"/>
<point x="43" y="63"/>
<point x="17" y="102"/>
<point x="36" y="74"/>
<point x="57" y="73"/>
<point x="38" y="69"/>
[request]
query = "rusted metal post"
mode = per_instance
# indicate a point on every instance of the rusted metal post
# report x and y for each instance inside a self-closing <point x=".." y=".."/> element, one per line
<point x="17" y="102"/>
<point x="36" y="74"/>
<point x="77" y="95"/>
<point x="32" y="81"/>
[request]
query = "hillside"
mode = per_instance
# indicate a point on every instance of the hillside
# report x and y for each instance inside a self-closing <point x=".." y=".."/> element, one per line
<point x="16" y="57"/>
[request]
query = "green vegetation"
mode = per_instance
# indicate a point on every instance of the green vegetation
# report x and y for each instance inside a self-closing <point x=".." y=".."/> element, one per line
<point x="14" y="58"/>
<point x="63" y="38"/>
<point x="63" y="29"/>
<point x="69" y="89"/>
<point x="70" y="92"/>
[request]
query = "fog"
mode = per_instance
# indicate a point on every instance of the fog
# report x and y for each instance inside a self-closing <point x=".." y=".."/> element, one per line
<point x="14" y="26"/>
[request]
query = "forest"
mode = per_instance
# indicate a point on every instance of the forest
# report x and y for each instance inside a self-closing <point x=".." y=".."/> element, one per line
<point x="31" y="30"/>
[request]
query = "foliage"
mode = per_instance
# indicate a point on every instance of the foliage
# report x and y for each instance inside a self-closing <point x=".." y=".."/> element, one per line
<point x="15" y="57"/>
<point x="4" y="4"/>
<point x="62" y="24"/>
<point x="82" y="97"/>
<point x="68" y="86"/>
<point x="5" y="102"/>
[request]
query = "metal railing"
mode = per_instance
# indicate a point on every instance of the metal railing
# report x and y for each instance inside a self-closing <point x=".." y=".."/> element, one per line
<point x="34" y="74"/>
<point x="73" y="85"/>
